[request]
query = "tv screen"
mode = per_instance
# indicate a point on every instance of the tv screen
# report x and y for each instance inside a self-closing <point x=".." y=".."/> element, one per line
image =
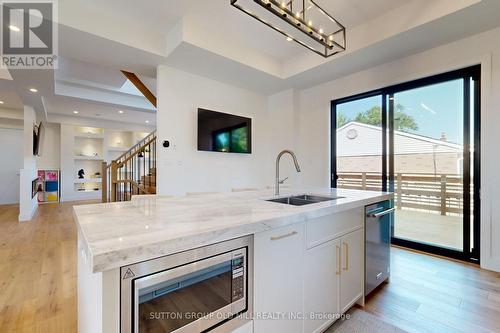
<point x="37" y="138"/>
<point x="225" y="133"/>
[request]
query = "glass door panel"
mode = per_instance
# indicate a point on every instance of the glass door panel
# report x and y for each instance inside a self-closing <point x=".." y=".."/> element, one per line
<point x="429" y="164"/>
<point x="359" y="143"/>
<point x="420" y="140"/>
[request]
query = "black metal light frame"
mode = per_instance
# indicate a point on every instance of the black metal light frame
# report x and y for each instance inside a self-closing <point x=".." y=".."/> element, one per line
<point x="331" y="47"/>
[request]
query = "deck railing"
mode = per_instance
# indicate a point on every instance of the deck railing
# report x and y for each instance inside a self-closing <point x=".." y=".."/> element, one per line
<point x="438" y="193"/>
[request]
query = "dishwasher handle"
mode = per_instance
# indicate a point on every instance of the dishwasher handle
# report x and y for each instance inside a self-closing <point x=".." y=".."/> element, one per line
<point x="382" y="213"/>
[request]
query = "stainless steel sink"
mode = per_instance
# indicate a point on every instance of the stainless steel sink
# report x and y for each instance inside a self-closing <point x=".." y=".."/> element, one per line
<point x="304" y="199"/>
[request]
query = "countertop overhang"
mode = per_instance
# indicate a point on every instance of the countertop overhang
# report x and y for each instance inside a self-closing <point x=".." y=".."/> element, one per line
<point x="122" y="233"/>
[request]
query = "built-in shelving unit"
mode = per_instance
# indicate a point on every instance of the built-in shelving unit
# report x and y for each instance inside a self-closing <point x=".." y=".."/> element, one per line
<point x="87" y="180"/>
<point x="86" y="148"/>
<point x="48" y="186"/>
<point x="118" y="149"/>
<point x="88" y="158"/>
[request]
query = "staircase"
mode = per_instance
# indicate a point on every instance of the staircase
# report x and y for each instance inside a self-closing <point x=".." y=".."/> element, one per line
<point x="133" y="173"/>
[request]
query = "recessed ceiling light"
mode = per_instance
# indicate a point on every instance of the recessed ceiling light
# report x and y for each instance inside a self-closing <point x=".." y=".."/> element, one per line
<point x="120" y="111"/>
<point x="147" y="121"/>
<point x="289" y="39"/>
<point x="33" y="90"/>
<point x="14" y="28"/>
<point x="75" y="112"/>
<point x="1" y="102"/>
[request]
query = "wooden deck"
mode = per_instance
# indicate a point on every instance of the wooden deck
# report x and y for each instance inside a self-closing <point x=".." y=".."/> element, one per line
<point x="429" y="228"/>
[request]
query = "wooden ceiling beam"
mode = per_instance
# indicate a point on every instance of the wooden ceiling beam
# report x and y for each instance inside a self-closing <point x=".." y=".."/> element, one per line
<point x="141" y="87"/>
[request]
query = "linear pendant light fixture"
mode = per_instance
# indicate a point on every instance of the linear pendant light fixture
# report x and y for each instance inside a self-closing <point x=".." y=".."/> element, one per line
<point x="302" y="21"/>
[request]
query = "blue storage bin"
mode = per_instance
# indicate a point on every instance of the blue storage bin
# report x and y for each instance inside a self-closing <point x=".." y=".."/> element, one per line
<point x="51" y="186"/>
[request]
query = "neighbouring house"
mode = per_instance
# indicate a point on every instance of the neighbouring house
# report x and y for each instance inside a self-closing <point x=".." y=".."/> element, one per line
<point x="359" y="150"/>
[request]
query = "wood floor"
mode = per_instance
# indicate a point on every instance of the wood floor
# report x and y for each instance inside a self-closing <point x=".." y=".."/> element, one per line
<point x="431" y="294"/>
<point x="38" y="283"/>
<point x="38" y="270"/>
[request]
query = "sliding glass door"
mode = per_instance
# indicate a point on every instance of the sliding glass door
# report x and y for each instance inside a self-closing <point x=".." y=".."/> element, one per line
<point x="359" y="165"/>
<point x="419" y="140"/>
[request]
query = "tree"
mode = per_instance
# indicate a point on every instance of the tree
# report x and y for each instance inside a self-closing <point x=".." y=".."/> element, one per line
<point x="342" y="120"/>
<point x="372" y="116"/>
<point x="402" y="121"/>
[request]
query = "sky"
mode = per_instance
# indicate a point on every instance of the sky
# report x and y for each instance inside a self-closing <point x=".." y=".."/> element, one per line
<point x="436" y="109"/>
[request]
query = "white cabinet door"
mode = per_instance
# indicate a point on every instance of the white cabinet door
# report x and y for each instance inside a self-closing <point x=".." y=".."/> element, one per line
<point x="278" y="272"/>
<point x="321" y="286"/>
<point x="352" y="269"/>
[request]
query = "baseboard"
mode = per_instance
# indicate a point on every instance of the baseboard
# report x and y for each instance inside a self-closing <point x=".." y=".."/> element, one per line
<point x="27" y="216"/>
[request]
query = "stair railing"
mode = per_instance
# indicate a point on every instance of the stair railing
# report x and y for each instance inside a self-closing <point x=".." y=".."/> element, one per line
<point x="132" y="173"/>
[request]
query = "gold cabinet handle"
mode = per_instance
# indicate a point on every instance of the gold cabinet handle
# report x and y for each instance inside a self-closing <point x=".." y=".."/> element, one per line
<point x="284" y="236"/>
<point x="338" y="260"/>
<point x="346" y="245"/>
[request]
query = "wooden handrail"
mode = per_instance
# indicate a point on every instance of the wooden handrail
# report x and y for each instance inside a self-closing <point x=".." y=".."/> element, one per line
<point x="140" y="143"/>
<point x="134" y="172"/>
<point x="138" y="150"/>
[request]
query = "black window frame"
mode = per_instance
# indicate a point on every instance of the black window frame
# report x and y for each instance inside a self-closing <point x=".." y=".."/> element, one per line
<point x="387" y="96"/>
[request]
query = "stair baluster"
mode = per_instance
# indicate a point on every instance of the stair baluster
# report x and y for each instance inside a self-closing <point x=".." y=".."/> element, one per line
<point x="133" y="173"/>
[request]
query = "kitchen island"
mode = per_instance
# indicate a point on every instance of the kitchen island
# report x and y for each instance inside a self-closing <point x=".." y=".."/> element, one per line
<point x="297" y="260"/>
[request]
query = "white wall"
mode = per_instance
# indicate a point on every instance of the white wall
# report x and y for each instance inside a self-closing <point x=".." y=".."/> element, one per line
<point x="11" y="123"/>
<point x="183" y="167"/>
<point x="301" y="121"/>
<point x="481" y="49"/>
<point x="50" y="153"/>
<point x="283" y="113"/>
<point x="68" y="146"/>
<point x="70" y="166"/>
<point x="11" y="162"/>
<point x="27" y="204"/>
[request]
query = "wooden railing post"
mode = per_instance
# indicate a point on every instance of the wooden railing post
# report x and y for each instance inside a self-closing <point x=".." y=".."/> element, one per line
<point x="113" y="180"/>
<point x="363" y="180"/>
<point x="104" y="181"/>
<point x="399" y="191"/>
<point x="443" y="194"/>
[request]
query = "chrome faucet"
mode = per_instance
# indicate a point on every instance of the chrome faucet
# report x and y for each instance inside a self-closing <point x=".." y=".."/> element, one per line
<point x="297" y="167"/>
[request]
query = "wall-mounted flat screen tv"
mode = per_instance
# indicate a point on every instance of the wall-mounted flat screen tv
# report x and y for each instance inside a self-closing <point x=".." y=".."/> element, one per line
<point x="225" y="133"/>
<point x="38" y="133"/>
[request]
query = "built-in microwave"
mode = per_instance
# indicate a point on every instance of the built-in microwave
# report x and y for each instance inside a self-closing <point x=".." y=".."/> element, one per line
<point x="193" y="291"/>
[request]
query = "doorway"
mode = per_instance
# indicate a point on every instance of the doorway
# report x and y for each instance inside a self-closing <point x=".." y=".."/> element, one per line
<point x="419" y="140"/>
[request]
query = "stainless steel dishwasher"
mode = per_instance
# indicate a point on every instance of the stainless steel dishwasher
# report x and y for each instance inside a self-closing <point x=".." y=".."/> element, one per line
<point x="378" y="220"/>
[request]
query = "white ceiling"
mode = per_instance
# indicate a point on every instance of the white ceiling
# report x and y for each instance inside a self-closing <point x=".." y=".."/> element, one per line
<point x="88" y="83"/>
<point x="142" y="35"/>
<point x="11" y="100"/>
<point x="213" y="39"/>
<point x="162" y="15"/>
<point x="159" y="16"/>
<point x="66" y="106"/>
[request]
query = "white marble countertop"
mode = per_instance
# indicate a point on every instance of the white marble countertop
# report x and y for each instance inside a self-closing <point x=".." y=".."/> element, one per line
<point x="123" y="233"/>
